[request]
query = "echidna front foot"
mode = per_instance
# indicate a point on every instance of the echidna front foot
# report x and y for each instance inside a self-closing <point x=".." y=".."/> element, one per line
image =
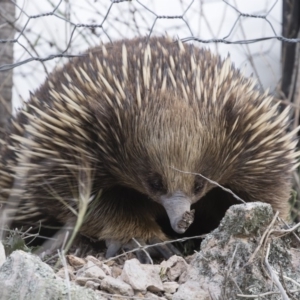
<point x="164" y="250"/>
<point x="113" y="247"/>
<point x="144" y="255"/>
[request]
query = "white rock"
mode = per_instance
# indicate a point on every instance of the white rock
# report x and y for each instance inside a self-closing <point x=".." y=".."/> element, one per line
<point x="75" y="261"/>
<point x="2" y="254"/>
<point x="116" y="271"/>
<point x="66" y="272"/>
<point x="142" y="277"/>
<point x="154" y="283"/>
<point x="25" y="276"/>
<point x="100" y="264"/>
<point x="106" y="269"/>
<point x="170" y="287"/>
<point x="168" y="296"/>
<point x="134" y="275"/>
<point x="191" y="290"/>
<point x="174" y="267"/>
<point x="94" y="260"/>
<point x="116" y="286"/>
<point x="83" y="280"/>
<point x="150" y="296"/>
<point x="92" y="285"/>
<point x="90" y="270"/>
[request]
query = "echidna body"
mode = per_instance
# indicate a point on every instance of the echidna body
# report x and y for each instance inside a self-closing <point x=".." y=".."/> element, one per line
<point x="128" y="125"/>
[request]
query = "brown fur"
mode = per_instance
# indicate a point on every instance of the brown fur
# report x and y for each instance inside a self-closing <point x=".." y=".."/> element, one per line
<point x="121" y="118"/>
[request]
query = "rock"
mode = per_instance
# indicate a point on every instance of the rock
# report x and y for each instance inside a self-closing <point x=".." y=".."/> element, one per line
<point x="107" y="270"/>
<point x="168" y="296"/>
<point x="150" y="296"/>
<point x="223" y="268"/>
<point x="170" y="287"/>
<point x="134" y="275"/>
<point x="154" y="283"/>
<point x="24" y="276"/>
<point x="2" y="254"/>
<point x="75" y="261"/>
<point x="94" y="260"/>
<point x="100" y="264"/>
<point x="139" y="295"/>
<point x="116" y="286"/>
<point x="192" y="290"/>
<point x="66" y="272"/>
<point x="182" y="278"/>
<point x="173" y="267"/>
<point x="90" y="270"/>
<point x="83" y="280"/>
<point x="92" y="285"/>
<point x="142" y="277"/>
<point x="116" y="271"/>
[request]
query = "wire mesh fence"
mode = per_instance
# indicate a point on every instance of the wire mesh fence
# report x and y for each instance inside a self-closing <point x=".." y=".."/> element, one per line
<point x="46" y="33"/>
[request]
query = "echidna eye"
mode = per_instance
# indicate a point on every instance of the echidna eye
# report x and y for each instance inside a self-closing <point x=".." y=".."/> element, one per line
<point x="155" y="183"/>
<point x="198" y="185"/>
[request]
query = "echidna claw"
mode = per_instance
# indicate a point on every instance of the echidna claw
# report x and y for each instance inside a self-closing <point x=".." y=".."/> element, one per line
<point x="113" y="247"/>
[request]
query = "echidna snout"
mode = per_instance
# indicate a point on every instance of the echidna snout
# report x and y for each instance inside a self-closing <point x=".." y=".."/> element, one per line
<point x="178" y="208"/>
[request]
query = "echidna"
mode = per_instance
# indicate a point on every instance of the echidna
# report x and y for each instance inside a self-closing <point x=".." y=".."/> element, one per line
<point x="129" y="125"/>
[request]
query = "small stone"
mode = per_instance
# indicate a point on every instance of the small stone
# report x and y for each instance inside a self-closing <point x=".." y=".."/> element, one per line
<point x="117" y="297"/>
<point x="107" y="269"/>
<point x="110" y="263"/>
<point x="116" y="286"/>
<point x="191" y="291"/>
<point x="139" y="295"/>
<point x="150" y="296"/>
<point x="92" y="285"/>
<point x="2" y="254"/>
<point x="168" y="296"/>
<point x="75" y="261"/>
<point x="116" y="271"/>
<point x="100" y="264"/>
<point x="170" y="287"/>
<point x="91" y="270"/>
<point x="94" y="260"/>
<point x="183" y="277"/>
<point x="154" y="283"/>
<point x="66" y="271"/>
<point x="174" y="267"/>
<point x="134" y="275"/>
<point x="142" y="277"/>
<point x="83" y="280"/>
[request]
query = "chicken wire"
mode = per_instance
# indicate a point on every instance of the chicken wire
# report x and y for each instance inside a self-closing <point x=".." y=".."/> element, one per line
<point x="48" y="32"/>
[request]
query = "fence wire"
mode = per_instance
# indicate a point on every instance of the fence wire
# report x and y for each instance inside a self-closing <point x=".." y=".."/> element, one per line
<point x="50" y="31"/>
<point x="138" y="7"/>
